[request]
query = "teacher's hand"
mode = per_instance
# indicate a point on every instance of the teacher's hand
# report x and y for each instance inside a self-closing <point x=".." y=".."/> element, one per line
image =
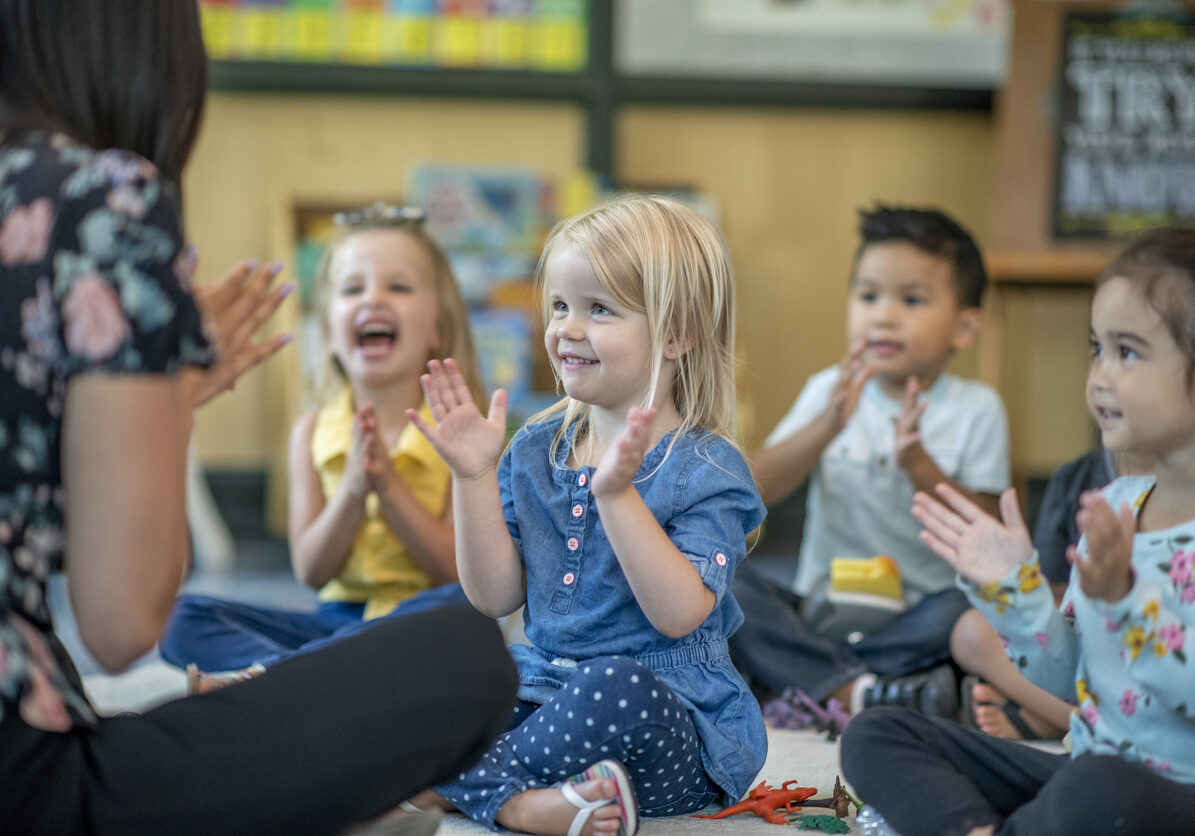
<point x="233" y="310"/>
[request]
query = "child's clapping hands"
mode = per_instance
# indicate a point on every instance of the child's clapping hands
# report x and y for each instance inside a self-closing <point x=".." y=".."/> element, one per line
<point x="470" y="442"/>
<point x="980" y="547"/>
<point x="621" y="460"/>
<point x="1105" y="572"/>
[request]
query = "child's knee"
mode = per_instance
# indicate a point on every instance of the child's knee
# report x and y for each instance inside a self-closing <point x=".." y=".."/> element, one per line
<point x="972" y="638"/>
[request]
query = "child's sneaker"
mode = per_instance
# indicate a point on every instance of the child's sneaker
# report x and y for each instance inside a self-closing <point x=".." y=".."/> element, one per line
<point x="933" y="693"/>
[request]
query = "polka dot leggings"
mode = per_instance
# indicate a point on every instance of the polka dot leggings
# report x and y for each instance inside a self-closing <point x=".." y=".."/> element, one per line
<point x="612" y="707"/>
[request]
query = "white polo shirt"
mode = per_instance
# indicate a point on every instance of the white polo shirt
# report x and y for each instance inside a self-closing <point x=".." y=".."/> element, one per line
<point x="859" y="498"/>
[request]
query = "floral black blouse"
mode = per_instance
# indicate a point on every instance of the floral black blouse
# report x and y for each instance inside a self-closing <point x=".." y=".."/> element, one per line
<point x="94" y="277"/>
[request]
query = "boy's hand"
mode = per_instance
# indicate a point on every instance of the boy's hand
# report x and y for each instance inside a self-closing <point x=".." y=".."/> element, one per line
<point x="908" y="434"/>
<point x="468" y="442"/>
<point x="853" y="373"/>
<point x="1105" y="572"/>
<point x="980" y="547"/>
<point x="621" y="460"/>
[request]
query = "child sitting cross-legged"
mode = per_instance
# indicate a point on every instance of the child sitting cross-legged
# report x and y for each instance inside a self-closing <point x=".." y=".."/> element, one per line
<point x="618" y="517"/>
<point x="886" y="422"/>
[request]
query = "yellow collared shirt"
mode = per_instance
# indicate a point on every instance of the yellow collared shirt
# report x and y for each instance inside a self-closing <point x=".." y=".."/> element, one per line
<point x="378" y="572"/>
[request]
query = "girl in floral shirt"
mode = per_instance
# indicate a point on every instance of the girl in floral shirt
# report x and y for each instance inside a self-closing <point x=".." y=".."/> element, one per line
<point x="1119" y="638"/>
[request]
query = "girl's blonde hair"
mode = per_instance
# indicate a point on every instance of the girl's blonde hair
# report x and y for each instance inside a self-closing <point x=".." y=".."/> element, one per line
<point x="452" y="315"/>
<point x="657" y="256"/>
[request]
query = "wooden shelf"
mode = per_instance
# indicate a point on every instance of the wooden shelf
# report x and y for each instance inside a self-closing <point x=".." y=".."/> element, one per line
<point x="1052" y="267"/>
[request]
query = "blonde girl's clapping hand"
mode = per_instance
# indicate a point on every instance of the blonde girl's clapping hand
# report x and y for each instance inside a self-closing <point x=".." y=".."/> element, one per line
<point x="470" y="443"/>
<point x="980" y="547"/>
<point x="622" y="458"/>
<point x="1105" y="572"/>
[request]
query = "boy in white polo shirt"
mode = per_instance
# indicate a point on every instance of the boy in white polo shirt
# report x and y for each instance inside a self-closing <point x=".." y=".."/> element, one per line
<point x="887" y="421"/>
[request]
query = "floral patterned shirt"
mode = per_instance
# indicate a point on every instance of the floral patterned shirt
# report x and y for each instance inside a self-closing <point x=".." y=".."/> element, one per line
<point x="94" y="277"/>
<point x="1126" y="661"/>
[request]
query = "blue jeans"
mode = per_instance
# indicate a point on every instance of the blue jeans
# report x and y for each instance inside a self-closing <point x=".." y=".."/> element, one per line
<point x="219" y="635"/>
<point x="776" y="649"/>
<point x="613" y="707"/>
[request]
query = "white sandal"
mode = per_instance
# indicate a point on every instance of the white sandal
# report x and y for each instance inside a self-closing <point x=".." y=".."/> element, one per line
<point x="625" y="798"/>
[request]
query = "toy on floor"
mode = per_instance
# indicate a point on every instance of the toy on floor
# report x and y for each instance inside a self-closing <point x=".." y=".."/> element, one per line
<point x="764" y="801"/>
<point x="826" y="824"/>
<point x="840" y="801"/>
<point x="794" y="709"/>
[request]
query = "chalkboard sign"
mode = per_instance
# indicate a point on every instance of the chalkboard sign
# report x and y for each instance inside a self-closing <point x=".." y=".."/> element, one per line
<point x="1126" y="125"/>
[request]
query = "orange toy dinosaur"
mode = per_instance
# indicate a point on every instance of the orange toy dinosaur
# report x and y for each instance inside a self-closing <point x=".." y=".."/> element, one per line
<point x="764" y="801"/>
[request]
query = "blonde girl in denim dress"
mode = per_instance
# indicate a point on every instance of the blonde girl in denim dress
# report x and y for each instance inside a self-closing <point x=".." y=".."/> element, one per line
<point x="618" y="517"/>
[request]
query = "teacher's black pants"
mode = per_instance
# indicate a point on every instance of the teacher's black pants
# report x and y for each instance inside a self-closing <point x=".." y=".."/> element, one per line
<point x="315" y="745"/>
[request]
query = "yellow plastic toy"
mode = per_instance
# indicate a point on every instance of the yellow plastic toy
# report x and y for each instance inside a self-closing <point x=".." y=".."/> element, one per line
<point x="877" y="575"/>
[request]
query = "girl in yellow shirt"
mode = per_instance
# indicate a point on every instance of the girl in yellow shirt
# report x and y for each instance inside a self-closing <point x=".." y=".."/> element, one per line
<point x="370" y="514"/>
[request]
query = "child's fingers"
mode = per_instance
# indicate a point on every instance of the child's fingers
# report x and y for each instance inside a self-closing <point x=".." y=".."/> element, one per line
<point x="962" y="506"/>
<point x="853" y="354"/>
<point x="427" y="429"/>
<point x="438" y="389"/>
<point x="939" y="546"/>
<point x="913" y="415"/>
<point x="497" y="412"/>
<point x="1010" y="510"/>
<point x="912" y="390"/>
<point x="1073" y="555"/>
<point x="944" y="527"/>
<point x="460" y="389"/>
<point x="1127" y="520"/>
<point x="429" y="394"/>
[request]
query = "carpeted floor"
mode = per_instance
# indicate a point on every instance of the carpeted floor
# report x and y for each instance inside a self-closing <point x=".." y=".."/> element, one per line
<point x="803" y="756"/>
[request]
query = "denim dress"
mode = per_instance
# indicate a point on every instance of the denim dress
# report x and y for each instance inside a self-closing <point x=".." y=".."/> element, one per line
<point x="580" y="605"/>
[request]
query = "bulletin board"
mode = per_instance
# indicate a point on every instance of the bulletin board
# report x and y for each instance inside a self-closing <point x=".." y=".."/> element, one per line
<point x="1126" y="123"/>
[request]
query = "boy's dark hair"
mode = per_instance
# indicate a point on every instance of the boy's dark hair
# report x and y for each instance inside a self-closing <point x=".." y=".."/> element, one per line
<point x="934" y="233"/>
<point x="1161" y="263"/>
<point x="125" y="74"/>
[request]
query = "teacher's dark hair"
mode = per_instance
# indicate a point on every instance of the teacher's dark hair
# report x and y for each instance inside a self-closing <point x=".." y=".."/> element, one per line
<point x="128" y="74"/>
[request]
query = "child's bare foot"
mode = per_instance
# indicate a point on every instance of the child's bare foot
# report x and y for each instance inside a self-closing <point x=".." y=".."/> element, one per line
<point x="997" y="716"/>
<point x="428" y="800"/>
<point x="549" y="813"/>
<point x="201" y="682"/>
